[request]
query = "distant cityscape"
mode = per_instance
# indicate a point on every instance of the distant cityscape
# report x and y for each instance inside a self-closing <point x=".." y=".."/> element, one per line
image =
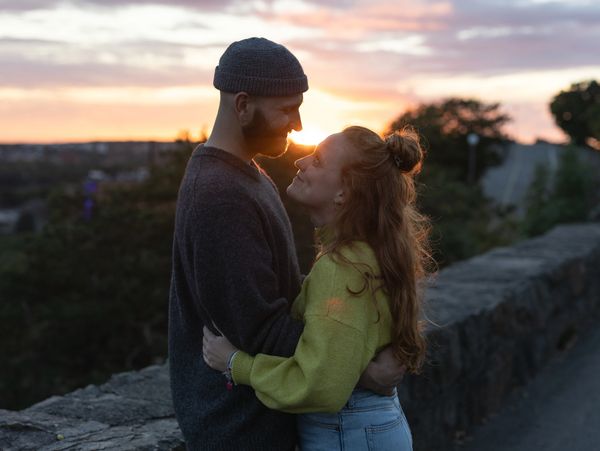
<point x="102" y="162"/>
<point x="129" y="161"/>
<point x="112" y="153"/>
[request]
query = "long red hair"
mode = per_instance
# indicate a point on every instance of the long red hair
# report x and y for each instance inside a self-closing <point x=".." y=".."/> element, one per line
<point x="379" y="208"/>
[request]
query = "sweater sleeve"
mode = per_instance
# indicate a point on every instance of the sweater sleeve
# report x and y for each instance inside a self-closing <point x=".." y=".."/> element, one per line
<point x="237" y="287"/>
<point x="319" y="377"/>
<point x="332" y="353"/>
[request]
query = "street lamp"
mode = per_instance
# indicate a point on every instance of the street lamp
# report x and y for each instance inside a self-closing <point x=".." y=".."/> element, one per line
<point x="472" y="141"/>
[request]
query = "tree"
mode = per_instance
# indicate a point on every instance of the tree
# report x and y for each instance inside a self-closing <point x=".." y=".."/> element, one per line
<point x="465" y="223"/>
<point x="577" y="112"/>
<point x="538" y="218"/>
<point x="445" y="126"/>
<point x="88" y="297"/>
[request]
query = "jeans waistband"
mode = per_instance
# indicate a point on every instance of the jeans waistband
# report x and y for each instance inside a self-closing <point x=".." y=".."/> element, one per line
<point x="361" y="398"/>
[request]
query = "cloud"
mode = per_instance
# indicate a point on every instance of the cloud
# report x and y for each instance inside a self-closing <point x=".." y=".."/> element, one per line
<point x="365" y="18"/>
<point x="49" y="63"/>
<point x="27" y="74"/>
<point x="30" y="5"/>
<point x="26" y="5"/>
<point x="497" y="40"/>
<point x="475" y="37"/>
<point x="364" y="50"/>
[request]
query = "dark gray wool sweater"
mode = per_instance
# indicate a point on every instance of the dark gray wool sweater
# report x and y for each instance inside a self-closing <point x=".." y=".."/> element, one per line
<point x="234" y="263"/>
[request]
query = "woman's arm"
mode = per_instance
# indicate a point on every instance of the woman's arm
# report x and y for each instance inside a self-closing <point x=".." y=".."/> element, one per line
<point x="382" y="375"/>
<point x="319" y="377"/>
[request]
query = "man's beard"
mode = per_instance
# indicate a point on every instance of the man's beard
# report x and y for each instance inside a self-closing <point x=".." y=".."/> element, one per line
<point x="262" y="139"/>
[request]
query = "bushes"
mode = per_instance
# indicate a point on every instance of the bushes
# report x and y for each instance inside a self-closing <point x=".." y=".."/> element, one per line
<point x="89" y="298"/>
<point x="464" y="222"/>
<point x="566" y="196"/>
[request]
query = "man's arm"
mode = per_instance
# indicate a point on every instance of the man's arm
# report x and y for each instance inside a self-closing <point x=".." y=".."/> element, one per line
<point x="383" y="373"/>
<point x="234" y="279"/>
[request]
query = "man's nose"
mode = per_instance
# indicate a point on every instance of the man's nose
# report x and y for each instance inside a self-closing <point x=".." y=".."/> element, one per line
<point x="296" y="121"/>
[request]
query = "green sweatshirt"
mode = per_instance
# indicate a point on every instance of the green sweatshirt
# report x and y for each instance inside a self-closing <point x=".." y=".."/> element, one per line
<point x="342" y="334"/>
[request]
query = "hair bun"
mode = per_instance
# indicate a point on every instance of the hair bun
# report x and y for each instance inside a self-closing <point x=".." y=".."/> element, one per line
<point x="405" y="149"/>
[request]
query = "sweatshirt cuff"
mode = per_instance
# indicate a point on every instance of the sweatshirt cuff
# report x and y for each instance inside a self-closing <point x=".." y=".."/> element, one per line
<point x="241" y="368"/>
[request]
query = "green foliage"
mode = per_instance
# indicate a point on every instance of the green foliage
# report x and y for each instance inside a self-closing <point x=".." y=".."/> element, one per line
<point x="89" y="298"/>
<point x="24" y="180"/>
<point x="445" y="126"/>
<point x="538" y="218"/>
<point x="464" y="222"/>
<point x="577" y="112"/>
<point x="566" y="197"/>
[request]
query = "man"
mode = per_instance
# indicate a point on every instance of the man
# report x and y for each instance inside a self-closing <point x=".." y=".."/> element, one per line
<point x="234" y="260"/>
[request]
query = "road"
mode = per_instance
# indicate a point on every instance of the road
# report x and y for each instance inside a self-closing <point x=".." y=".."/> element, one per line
<point x="558" y="411"/>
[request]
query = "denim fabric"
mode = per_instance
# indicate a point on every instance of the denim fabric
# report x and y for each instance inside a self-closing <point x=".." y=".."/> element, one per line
<point x="367" y="422"/>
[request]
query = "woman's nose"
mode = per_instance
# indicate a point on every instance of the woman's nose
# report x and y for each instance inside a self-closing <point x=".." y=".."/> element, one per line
<point x="301" y="163"/>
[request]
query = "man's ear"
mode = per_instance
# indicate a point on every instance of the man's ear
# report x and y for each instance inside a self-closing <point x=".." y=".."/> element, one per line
<point x="339" y="198"/>
<point x="244" y="107"/>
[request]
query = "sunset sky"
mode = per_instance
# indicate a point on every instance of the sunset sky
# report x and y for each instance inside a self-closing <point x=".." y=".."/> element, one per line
<point x="142" y="69"/>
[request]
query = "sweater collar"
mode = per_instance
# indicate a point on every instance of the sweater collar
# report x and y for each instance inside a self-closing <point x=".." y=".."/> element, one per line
<point x="250" y="169"/>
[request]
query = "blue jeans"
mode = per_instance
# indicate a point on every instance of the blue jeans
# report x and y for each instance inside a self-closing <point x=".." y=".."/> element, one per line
<point x="367" y="422"/>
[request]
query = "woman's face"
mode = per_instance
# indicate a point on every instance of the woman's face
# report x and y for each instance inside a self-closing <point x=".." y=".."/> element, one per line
<point x="318" y="183"/>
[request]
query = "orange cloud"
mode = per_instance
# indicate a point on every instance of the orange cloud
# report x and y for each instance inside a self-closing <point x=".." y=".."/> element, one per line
<point x="368" y="18"/>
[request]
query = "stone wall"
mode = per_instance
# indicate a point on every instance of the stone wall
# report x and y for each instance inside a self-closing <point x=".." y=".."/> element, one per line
<point x="132" y="411"/>
<point x="495" y="320"/>
<point x="500" y="316"/>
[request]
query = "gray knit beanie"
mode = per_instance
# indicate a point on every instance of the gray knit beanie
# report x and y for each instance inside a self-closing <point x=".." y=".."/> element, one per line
<point x="260" y="67"/>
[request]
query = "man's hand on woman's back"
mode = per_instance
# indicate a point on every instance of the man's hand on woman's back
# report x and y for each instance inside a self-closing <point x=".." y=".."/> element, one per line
<point x="383" y="374"/>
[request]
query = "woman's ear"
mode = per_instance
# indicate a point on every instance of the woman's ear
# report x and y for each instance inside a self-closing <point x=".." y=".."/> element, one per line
<point x="244" y="107"/>
<point x="339" y="198"/>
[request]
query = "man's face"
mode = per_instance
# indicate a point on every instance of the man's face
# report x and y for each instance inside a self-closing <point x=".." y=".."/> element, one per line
<point x="273" y="119"/>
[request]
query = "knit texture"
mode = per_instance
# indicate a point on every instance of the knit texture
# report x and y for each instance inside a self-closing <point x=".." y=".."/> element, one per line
<point x="260" y="67"/>
<point x="341" y="335"/>
<point x="234" y="263"/>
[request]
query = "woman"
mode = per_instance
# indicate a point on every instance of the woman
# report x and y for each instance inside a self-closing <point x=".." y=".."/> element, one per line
<point x="360" y="296"/>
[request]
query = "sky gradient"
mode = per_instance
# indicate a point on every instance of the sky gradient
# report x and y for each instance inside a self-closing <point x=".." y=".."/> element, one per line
<point x="141" y="69"/>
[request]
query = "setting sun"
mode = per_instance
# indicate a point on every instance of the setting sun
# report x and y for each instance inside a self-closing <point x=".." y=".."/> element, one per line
<point x="309" y="136"/>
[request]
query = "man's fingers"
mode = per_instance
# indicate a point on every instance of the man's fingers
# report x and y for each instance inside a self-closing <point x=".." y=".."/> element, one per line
<point x="216" y="328"/>
<point x="207" y="332"/>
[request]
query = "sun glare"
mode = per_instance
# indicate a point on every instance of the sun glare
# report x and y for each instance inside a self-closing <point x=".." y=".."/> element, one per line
<point x="309" y="136"/>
